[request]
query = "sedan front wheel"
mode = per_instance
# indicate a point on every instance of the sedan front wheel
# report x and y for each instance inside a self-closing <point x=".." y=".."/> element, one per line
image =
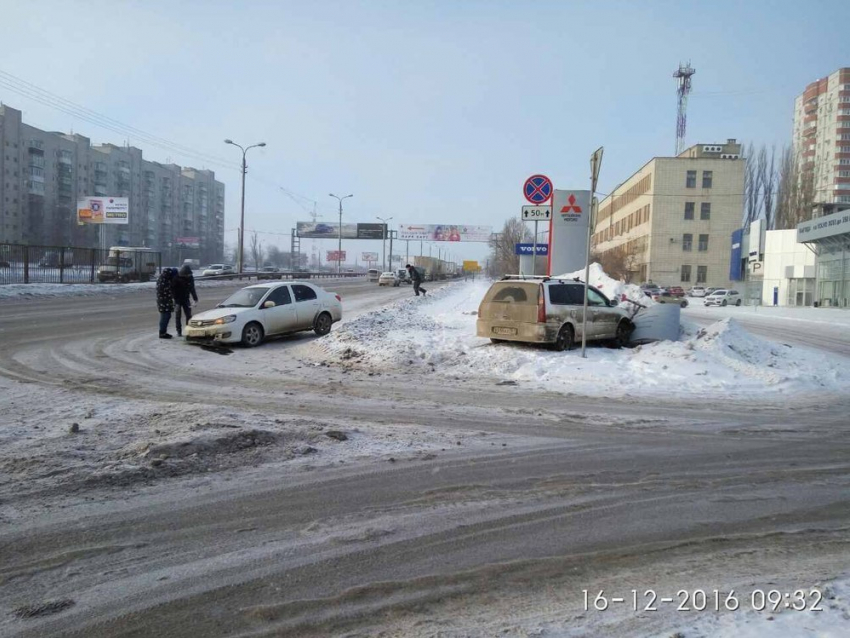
<point x="252" y="335"/>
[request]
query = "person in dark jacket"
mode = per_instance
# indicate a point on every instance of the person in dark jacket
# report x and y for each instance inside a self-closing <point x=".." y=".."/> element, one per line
<point x="416" y="278"/>
<point x="165" y="299"/>
<point x="183" y="287"/>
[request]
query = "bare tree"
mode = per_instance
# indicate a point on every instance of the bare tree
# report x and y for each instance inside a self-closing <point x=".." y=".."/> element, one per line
<point x="275" y="257"/>
<point x="766" y="185"/>
<point x="503" y="259"/>
<point x="256" y="250"/>
<point x="751" y="187"/>
<point x="795" y="191"/>
<point x="621" y="262"/>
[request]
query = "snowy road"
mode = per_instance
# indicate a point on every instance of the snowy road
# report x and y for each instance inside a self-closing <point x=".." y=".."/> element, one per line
<point x="205" y="495"/>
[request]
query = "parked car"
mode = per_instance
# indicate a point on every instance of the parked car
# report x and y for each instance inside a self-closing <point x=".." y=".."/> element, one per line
<point x="723" y="297"/>
<point x="669" y="297"/>
<point x="269" y="272"/>
<point x="388" y="279"/>
<point x="676" y="291"/>
<point x="708" y="291"/>
<point x="549" y="311"/>
<point x="218" y="269"/>
<point x="696" y="291"/>
<point x="263" y="310"/>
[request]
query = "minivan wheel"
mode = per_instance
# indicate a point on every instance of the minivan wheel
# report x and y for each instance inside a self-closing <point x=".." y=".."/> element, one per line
<point x="738" y="303"/>
<point x="323" y="324"/>
<point x="565" y="339"/>
<point x="252" y="335"/>
<point x="621" y="337"/>
<point x="724" y="303"/>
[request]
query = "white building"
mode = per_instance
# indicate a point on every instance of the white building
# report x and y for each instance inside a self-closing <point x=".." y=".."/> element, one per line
<point x="788" y="270"/>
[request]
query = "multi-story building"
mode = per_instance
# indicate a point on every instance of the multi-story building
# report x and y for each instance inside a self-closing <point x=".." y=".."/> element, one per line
<point x="822" y="137"/>
<point x="42" y="174"/>
<point x="672" y="220"/>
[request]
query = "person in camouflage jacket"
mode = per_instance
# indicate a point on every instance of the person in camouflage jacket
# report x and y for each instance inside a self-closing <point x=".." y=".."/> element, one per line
<point x="165" y="300"/>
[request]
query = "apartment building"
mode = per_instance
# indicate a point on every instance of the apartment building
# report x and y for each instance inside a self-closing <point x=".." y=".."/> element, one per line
<point x="42" y="174"/>
<point x="822" y="137"/>
<point x="672" y="220"/>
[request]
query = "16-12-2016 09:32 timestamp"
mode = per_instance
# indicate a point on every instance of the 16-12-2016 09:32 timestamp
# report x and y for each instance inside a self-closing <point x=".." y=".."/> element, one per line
<point x="770" y="600"/>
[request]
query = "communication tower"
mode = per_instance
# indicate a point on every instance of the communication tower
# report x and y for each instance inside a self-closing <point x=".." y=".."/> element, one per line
<point x="683" y="78"/>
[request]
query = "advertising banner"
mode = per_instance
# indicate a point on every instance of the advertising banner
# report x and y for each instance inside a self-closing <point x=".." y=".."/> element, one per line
<point x="325" y="230"/>
<point x="103" y="210"/>
<point x="369" y="257"/>
<point x="336" y="255"/>
<point x="527" y="249"/>
<point x="444" y="232"/>
<point x="568" y="236"/>
<point x="735" y="269"/>
<point x="371" y="231"/>
<point x="471" y="266"/>
<point x="187" y="242"/>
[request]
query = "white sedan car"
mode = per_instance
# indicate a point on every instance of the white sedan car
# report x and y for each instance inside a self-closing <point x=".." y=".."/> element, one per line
<point x="218" y="269"/>
<point x="388" y="279"/>
<point x="723" y="297"/>
<point x="262" y="310"/>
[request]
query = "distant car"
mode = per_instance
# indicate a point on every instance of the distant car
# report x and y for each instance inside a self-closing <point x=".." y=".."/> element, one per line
<point x="697" y="291"/>
<point x="263" y="310"/>
<point x="269" y="272"/>
<point x="218" y="269"/>
<point x="650" y="289"/>
<point x="723" y="297"/>
<point x="388" y="279"/>
<point x="669" y="297"/>
<point x="708" y="291"/>
<point x="548" y="311"/>
<point x="676" y="291"/>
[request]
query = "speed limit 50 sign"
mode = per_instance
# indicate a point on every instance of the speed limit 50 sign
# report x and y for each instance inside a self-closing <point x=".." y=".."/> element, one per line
<point x="536" y="213"/>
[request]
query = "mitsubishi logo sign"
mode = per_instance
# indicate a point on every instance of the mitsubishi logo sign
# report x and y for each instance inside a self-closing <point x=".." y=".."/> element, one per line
<point x="571" y="205"/>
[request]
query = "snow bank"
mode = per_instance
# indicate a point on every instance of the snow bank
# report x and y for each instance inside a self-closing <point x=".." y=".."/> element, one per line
<point x="38" y="291"/>
<point x="437" y="334"/>
<point x="612" y="288"/>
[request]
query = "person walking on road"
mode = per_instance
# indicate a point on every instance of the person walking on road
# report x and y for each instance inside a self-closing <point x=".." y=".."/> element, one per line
<point x="183" y="288"/>
<point x="416" y="278"/>
<point x="165" y="299"/>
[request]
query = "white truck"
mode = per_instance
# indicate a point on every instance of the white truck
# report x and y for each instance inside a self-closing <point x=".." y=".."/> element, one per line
<point x="126" y="263"/>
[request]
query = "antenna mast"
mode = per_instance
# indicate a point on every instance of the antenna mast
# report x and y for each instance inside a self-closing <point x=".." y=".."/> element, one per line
<point x="683" y="76"/>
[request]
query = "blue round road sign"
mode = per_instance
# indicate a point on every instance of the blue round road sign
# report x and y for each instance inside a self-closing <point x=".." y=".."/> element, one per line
<point x="537" y="189"/>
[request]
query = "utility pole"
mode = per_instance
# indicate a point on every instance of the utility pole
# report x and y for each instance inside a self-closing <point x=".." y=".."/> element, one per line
<point x="339" y="250"/>
<point x="242" y="217"/>
<point x="384" y="242"/>
<point x="595" y="163"/>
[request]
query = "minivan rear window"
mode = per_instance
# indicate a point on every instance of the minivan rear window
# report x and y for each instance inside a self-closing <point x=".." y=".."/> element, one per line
<point x="513" y="293"/>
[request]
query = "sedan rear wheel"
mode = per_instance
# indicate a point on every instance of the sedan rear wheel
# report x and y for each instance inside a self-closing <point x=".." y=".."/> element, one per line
<point x="323" y="324"/>
<point x="252" y="335"/>
<point x="738" y="303"/>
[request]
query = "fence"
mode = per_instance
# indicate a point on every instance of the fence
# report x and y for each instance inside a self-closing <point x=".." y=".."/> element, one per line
<point x="21" y="264"/>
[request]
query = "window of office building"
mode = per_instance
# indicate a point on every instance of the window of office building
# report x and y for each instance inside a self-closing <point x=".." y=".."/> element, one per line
<point x="689" y="210"/>
<point x="707" y="177"/>
<point x="687" y="241"/>
<point x="703" y="242"/>
<point x="691" y="179"/>
<point x="702" y="274"/>
<point x="705" y="210"/>
<point x="686" y="274"/>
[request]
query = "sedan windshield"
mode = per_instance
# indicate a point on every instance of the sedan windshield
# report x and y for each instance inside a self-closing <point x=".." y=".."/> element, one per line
<point x="245" y="298"/>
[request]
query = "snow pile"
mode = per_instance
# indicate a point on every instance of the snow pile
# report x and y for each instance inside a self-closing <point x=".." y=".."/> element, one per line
<point x="438" y="334"/>
<point x="612" y="288"/>
<point x="38" y="291"/>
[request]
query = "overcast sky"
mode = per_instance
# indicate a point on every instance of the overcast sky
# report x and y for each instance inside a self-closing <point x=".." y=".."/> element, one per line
<point x="428" y="112"/>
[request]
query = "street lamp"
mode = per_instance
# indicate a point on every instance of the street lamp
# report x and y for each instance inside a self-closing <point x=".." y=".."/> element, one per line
<point x="339" y="251"/>
<point x="242" y="219"/>
<point x="384" y="243"/>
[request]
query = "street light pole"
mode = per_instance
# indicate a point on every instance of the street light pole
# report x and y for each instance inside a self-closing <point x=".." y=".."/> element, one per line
<point x="242" y="214"/>
<point x="339" y="250"/>
<point x="384" y="242"/>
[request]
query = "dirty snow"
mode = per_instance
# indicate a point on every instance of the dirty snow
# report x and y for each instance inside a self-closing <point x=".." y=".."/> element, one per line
<point x="437" y="333"/>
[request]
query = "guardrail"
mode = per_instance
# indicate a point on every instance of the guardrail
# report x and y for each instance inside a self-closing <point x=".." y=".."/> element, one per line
<point x="280" y="276"/>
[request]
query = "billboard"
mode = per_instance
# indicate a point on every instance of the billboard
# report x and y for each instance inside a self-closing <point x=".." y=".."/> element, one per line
<point x="103" y="210"/>
<point x="187" y="242"/>
<point x="336" y="255"/>
<point x="568" y="231"/>
<point x="444" y="232"/>
<point x="371" y="231"/>
<point x="471" y="266"/>
<point x="369" y="256"/>
<point x="735" y="269"/>
<point x="330" y="230"/>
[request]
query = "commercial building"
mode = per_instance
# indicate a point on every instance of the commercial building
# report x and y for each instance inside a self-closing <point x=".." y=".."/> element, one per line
<point x="671" y="221"/>
<point x="828" y="236"/>
<point x="822" y="137"/>
<point x="178" y="211"/>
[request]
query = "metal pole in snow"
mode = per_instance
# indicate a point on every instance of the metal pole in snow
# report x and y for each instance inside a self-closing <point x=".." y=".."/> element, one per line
<point x="595" y="161"/>
<point x="534" y="252"/>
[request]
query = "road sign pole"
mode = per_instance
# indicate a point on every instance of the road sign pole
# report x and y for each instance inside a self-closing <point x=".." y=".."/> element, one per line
<point x="534" y="252"/>
<point x="595" y="161"/>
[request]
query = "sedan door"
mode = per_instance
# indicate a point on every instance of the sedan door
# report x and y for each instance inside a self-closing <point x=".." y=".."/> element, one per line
<point x="282" y="317"/>
<point x="307" y="305"/>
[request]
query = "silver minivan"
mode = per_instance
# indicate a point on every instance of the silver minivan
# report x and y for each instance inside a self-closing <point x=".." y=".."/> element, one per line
<point x="723" y="297"/>
<point x="549" y="311"/>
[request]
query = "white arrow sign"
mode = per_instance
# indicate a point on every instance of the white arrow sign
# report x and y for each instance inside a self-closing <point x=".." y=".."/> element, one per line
<point x="536" y="213"/>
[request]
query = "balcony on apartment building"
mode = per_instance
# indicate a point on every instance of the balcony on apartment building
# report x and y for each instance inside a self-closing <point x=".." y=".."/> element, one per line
<point x="36" y="146"/>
